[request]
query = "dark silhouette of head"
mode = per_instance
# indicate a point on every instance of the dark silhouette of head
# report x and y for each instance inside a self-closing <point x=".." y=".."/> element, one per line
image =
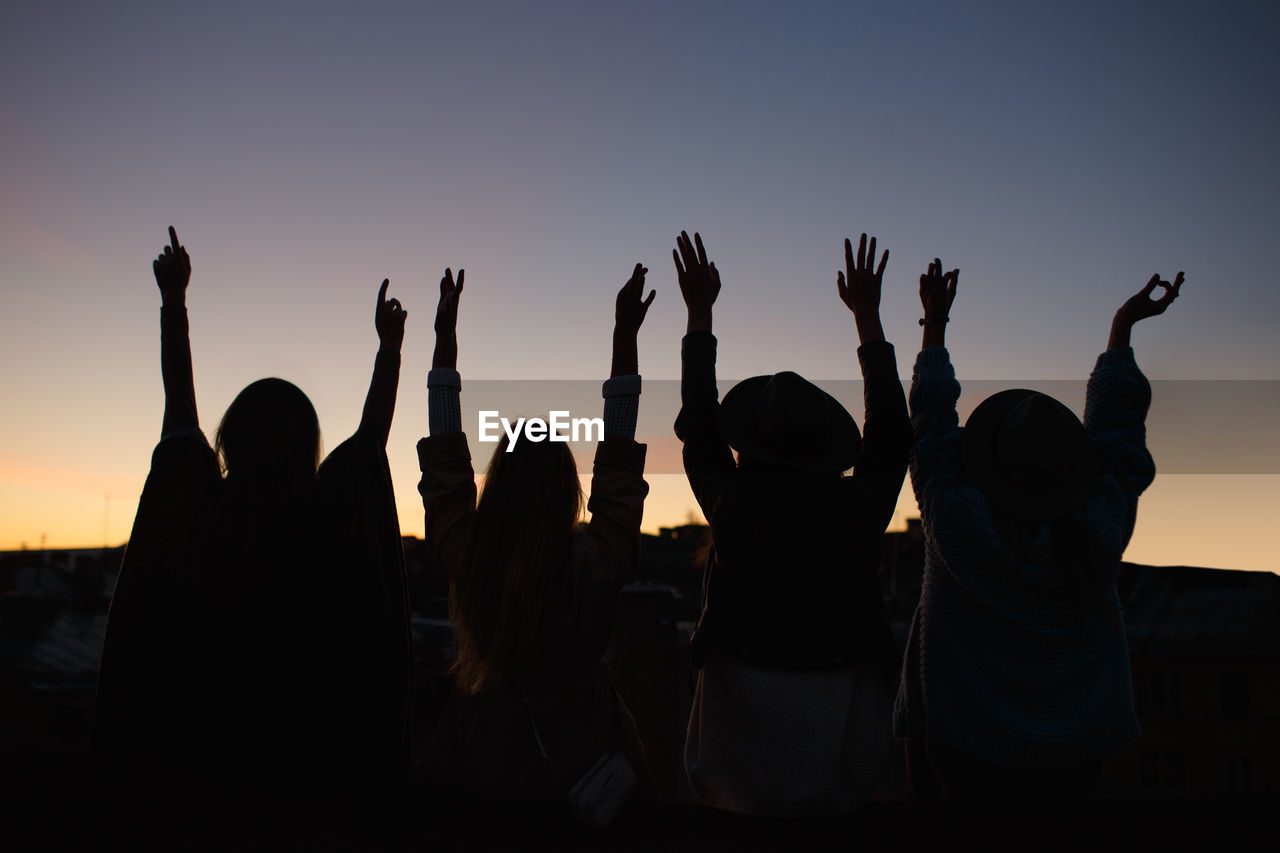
<point x="1029" y="454"/>
<point x="784" y="424"/>
<point x="269" y="439"/>
<point x="525" y="518"/>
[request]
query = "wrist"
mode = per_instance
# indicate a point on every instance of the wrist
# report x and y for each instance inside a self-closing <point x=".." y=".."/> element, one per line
<point x="869" y="328"/>
<point x="699" y="319"/>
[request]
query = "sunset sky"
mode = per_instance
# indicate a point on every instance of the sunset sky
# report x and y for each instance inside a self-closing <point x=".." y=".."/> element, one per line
<point x="1058" y="154"/>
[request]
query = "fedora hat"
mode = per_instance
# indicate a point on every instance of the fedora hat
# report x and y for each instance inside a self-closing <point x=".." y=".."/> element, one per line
<point x="787" y="420"/>
<point x="1029" y="454"/>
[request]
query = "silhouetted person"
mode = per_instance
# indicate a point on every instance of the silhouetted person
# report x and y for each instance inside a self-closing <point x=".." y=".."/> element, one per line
<point x="532" y="593"/>
<point x="257" y="642"/>
<point x="1016" y="679"/>
<point x="794" y="654"/>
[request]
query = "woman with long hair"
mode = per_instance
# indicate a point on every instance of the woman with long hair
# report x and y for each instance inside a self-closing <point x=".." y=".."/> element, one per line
<point x="258" y="634"/>
<point x="532" y="591"/>
<point x="1016" y="684"/>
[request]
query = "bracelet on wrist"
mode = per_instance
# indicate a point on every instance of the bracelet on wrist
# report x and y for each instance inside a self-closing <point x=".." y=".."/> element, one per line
<point x="942" y="322"/>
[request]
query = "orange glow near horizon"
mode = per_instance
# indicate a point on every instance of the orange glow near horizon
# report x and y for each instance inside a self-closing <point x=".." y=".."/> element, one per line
<point x="1198" y="520"/>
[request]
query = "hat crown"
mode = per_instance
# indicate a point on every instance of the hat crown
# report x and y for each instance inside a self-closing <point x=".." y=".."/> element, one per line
<point x="1030" y="440"/>
<point x="791" y="412"/>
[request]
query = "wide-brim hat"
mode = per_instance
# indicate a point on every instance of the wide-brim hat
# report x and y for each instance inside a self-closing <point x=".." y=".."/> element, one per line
<point x="787" y="420"/>
<point x="1029" y="454"/>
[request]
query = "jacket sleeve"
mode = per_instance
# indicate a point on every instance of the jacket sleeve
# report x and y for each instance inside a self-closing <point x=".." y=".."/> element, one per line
<point x="886" y="433"/>
<point x="448" y="489"/>
<point x="617" y="498"/>
<point x="935" y="456"/>
<point x="1115" y="412"/>
<point x="708" y="461"/>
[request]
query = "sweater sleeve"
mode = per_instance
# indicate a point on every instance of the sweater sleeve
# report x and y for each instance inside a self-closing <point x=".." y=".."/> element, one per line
<point x="935" y="457"/>
<point x="617" y="498"/>
<point x="444" y="401"/>
<point x="1115" y="412"/>
<point x="708" y="461"/>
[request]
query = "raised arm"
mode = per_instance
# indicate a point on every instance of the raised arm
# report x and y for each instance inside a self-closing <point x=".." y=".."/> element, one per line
<point x="618" y="488"/>
<point x="380" y="403"/>
<point x="1118" y="396"/>
<point x="886" y="431"/>
<point x="622" y="391"/>
<point x="173" y="271"/>
<point x="448" y="485"/>
<point x="708" y="461"/>
<point x="935" y="457"/>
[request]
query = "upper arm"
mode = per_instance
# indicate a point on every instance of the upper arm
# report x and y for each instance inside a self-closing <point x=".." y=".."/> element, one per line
<point x="935" y="425"/>
<point x="448" y="489"/>
<point x="708" y="461"/>
<point x="1116" y="403"/>
<point x="617" y="498"/>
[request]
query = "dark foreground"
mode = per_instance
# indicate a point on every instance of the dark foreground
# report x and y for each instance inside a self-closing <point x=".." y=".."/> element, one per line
<point x="55" y="801"/>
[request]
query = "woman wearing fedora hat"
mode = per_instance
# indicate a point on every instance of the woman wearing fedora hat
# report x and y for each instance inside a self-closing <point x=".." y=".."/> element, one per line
<point x="1016" y="679"/>
<point x="795" y="659"/>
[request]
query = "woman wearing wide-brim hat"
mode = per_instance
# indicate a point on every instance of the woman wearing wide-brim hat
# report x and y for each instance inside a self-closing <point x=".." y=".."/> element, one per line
<point x="795" y="661"/>
<point x="1015" y="682"/>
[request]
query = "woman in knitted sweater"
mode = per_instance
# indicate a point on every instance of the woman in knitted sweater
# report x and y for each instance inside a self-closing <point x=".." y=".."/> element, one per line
<point x="1016" y="677"/>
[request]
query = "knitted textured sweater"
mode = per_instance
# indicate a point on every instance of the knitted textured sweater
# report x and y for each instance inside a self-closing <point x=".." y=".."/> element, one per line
<point x="1017" y="652"/>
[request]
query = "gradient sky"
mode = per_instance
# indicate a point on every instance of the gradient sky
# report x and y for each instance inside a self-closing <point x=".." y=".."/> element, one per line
<point x="1058" y="156"/>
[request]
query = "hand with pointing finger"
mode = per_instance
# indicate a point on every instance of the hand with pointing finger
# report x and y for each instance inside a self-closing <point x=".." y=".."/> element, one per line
<point x="172" y="270"/>
<point x="389" y="320"/>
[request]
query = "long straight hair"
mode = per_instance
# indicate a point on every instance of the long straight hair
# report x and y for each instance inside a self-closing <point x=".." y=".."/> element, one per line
<point x="524" y="525"/>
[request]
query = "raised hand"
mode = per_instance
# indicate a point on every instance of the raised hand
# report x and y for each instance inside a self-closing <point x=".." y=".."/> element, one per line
<point x="699" y="280"/>
<point x="446" y="324"/>
<point x="860" y="290"/>
<point x="1140" y="306"/>
<point x="389" y="320"/>
<point x="172" y="270"/>
<point x="629" y="309"/>
<point x="937" y="292"/>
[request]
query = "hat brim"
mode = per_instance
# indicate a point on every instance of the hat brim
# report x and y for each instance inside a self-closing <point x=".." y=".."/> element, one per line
<point x="978" y="459"/>
<point x="839" y="451"/>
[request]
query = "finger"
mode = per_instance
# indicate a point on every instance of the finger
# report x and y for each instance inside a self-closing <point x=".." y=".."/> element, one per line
<point x="687" y="252"/>
<point x="382" y="291"/>
<point x="675" y="256"/>
<point x="1151" y="285"/>
<point x="871" y="254"/>
<point x="883" y="260"/>
<point x="702" y="252"/>
<point x="168" y="251"/>
<point x="862" y="252"/>
<point x="841" y="286"/>
<point x="715" y="274"/>
<point x="1177" y="282"/>
<point x="954" y="277"/>
<point x="173" y="239"/>
<point x="457" y="291"/>
<point x="848" y="255"/>
<point x="649" y="301"/>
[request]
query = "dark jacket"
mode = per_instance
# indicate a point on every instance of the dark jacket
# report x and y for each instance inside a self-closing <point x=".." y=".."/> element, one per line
<point x="791" y="580"/>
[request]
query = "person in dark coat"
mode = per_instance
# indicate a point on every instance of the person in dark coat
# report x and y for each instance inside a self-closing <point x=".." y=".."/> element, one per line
<point x="793" y="650"/>
<point x="257" y="641"/>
